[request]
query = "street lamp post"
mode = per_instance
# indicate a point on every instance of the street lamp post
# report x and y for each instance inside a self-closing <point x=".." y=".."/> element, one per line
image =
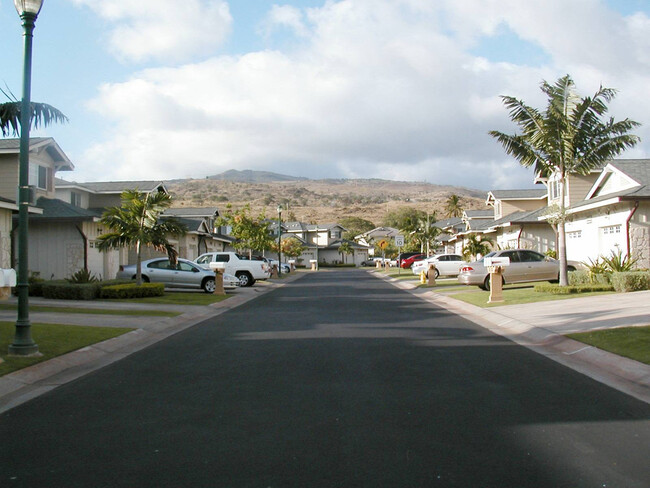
<point x="279" y="240"/>
<point x="23" y="344"/>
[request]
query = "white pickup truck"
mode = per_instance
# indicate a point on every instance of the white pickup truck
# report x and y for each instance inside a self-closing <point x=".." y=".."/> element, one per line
<point x="246" y="270"/>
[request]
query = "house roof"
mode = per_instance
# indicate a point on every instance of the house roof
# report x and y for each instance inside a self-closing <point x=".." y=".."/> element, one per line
<point x="294" y="226"/>
<point x="61" y="161"/>
<point x="479" y="214"/>
<point x="353" y="245"/>
<point x="637" y="169"/>
<point x="189" y="212"/>
<point x="530" y="194"/>
<point x="111" y="186"/>
<point x="53" y="208"/>
<point x="453" y="221"/>
<point x="380" y="232"/>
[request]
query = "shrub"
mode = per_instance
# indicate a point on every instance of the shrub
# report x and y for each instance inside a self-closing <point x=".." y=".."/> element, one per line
<point x="63" y="290"/>
<point x="82" y="276"/>
<point x="584" y="277"/>
<point x="132" y="290"/>
<point x="631" y="281"/>
<point x="571" y="289"/>
<point x="35" y="283"/>
<point x="618" y="262"/>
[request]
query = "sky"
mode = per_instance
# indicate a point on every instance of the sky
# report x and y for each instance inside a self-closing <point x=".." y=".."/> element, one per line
<point x="396" y="89"/>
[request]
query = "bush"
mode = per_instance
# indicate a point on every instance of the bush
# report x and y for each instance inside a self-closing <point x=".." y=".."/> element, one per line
<point x="132" y="290"/>
<point x="584" y="277"/>
<point x="62" y="290"/>
<point x="572" y="289"/>
<point x="82" y="276"/>
<point x="35" y="284"/>
<point x="631" y="281"/>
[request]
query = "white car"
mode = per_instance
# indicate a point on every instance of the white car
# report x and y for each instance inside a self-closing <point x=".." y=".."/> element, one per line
<point x="446" y="265"/>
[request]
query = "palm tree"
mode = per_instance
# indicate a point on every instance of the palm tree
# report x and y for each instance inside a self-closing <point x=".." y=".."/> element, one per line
<point x="42" y="114"/>
<point x="476" y="246"/>
<point x="453" y="207"/>
<point x="137" y="223"/>
<point x="344" y="249"/>
<point x="568" y="137"/>
<point x="426" y="233"/>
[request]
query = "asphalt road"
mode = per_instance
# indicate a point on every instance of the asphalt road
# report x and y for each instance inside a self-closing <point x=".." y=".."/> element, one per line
<point x="335" y="380"/>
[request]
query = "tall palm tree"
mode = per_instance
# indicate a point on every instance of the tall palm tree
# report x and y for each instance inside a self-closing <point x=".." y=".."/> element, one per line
<point x="42" y="115"/>
<point x="426" y="233"/>
<point x="344" y="249"/>
<point x="137" y="223"/>
<point x="453" y="208"/>
<point x="568" y="137"/>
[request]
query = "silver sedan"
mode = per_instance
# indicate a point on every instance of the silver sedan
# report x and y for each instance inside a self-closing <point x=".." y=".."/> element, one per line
<point x="525" y="265"/>
<point x="184" y="274"/>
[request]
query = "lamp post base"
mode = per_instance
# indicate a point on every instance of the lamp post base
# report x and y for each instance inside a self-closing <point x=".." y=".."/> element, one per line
<point x="24" y="351"/>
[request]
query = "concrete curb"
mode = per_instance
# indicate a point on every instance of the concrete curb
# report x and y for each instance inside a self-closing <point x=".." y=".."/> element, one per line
<point x="23" y="385"/>
<point x="626" y="375"/>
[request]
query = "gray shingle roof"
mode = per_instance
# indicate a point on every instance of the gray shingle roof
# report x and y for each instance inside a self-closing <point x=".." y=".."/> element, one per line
<point x="192" y="211"/>
<point x="112" y="186"/>
<point x="54" y="208"/>
<point x="477" y="214"/>
<point x="637" y="169"/>
<point x="519" y="194"/>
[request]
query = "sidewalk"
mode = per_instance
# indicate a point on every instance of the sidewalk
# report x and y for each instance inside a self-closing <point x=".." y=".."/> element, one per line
<point x="541" y="327"/>
<point x="25" y="384"/>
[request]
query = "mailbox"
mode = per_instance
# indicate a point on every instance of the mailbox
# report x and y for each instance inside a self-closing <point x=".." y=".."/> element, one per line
<point x="7" y="277"/>
<point x="496" y="261"/>
<point x="217" y="265"/>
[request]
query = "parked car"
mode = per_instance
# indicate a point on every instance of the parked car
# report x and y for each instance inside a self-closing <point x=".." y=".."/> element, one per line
<point x="405" y="255"/>
<point x="407" y="262"/>
<point x="183" y="274"/>
<point x="273" y="262"/>
<point x="446" y="265"/>
<point x="525" y="265"/>
<point x="248" y="271"/>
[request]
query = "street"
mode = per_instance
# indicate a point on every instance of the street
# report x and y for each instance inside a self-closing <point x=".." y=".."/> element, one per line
<point x="338" y="379"/>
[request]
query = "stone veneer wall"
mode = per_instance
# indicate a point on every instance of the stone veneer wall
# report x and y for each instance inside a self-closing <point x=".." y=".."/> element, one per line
<point x="640" y="236"/>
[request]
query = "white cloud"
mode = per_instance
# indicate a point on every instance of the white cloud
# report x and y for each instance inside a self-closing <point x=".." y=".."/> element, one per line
<point x="377" y="87"/>
<point x="167" y="30"/>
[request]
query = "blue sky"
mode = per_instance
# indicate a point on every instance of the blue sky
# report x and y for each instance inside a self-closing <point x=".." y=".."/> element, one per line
<point x="398" y="89"/>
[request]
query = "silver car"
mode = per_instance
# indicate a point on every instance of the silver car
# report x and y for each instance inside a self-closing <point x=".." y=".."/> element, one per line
<point x="525" y="265"/>
<point x="184" y="274"/>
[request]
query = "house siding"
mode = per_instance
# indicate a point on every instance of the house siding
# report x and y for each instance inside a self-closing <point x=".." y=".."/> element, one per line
<point x="5" y="238"/>
<point x="579" y="186"/>
<point x="8" y="176"/>
<point x="511" y="206"/>
<point x="55" y="249"/>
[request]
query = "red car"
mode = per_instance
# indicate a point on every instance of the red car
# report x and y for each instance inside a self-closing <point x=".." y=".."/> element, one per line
<point x="407" y="262"/>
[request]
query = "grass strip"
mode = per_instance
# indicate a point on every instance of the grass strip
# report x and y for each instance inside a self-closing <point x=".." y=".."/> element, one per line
<point x="180" y="298"/>
<point x="515" y="295"/>
<point x="92" y="311"/>
<point x="630" y="342"/>
<point x="53" y="340"/>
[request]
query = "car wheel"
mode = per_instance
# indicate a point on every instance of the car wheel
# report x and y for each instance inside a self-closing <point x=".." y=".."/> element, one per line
<point x="245" y="278"/>
<point x="209" y="285"/>
<point x="570" y="268"/>
<point x="486" y="283"/>
<point x="437" y="274"/>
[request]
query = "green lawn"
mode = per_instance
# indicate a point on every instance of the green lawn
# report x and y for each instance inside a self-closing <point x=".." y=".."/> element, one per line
<point x="53" y="340"/>
<point x="515" y="294"/>
<point x="181" y="298"/>
<point x="95" y="311"/>
<point x="630" y="342"/>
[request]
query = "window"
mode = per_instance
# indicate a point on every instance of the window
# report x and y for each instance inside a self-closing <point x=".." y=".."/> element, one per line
<point x="513" y="255"/>
<point x="162" y="264"/>
<point x="75" y="199"/>
<point x="575" y="234"/>
<point x="530" y="256"/>
<point x="611" y="229"/>
<point x="39" y="176"/>
<point x="554" y="189"/>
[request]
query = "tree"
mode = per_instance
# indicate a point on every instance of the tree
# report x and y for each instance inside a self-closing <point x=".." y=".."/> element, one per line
<point x="344" y="249"/>
<point x="137" y="223"/>
<point x="453" y="208"/>
<point x="42" y="114"/>
<point x="252" y="233"/>
<point x="476" y="245"/>
<point x="291" y="247"/>
<point x="355" y="226"/>
<point x="407" y="220"/>
<point x="568" y="137"/>
<point x="426" y="233"/>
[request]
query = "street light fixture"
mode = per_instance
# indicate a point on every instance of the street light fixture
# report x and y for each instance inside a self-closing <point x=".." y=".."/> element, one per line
<point x="23" y="344"/>
<point x="279" y="240"/>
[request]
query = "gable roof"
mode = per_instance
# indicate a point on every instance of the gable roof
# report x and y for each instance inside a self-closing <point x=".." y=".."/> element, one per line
<point x="189" y="212"/>
<point x="48" y="144"/>
<point x="115" y="187"/>
<point x="529" y="194"/>
<point x="53" y="208"/>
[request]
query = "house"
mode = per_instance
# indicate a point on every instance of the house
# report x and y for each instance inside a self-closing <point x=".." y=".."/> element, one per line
<point x="471" y="222"/>
<point x="203" y="234"/>
<point x="7" y="209"/>
<point x="322" y="243"/>
<point x="613" y="214"/>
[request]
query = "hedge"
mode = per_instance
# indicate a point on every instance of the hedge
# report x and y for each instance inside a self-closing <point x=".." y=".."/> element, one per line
<point x="571" y="289"/>
<point x="631" y="281"/>
<point x="62" y="290"/>
<point x="132" y="290"/>
<point x="584" y="277"/>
